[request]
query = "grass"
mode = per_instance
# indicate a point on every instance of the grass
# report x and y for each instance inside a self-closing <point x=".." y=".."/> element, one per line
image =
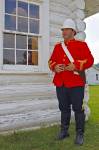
<point x="44" y="139"/>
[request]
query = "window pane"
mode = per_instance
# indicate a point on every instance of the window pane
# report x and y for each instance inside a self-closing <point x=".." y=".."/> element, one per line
<point x="34" y="11"/>
<point x="32" y="43"/>
<point x="10" y="6"/>
<point x="34" y="26"/>
<point x="32" y="58"/>
<point x="21" y="42"/>
<point x="22" y="24"/>
<point x="22" y="9"/>
<point x="21" y="57"/>
<point x="8" y="56"/>
<point x="10" y="22"/>
<point x="9" y="40"/>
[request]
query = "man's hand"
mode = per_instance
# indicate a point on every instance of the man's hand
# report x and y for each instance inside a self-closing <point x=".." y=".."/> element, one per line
<point x="70" y="67"/>
<point x="59" y="68"/>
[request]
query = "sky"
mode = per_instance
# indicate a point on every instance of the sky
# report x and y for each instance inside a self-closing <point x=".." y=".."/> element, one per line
<point x="92" y="35"/>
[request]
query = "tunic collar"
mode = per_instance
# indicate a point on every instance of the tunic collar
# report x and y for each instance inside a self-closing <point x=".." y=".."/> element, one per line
<point x="67" y="42"/>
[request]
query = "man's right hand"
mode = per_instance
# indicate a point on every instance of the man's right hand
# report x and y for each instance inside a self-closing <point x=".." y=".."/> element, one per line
<point x="59" y="68"/>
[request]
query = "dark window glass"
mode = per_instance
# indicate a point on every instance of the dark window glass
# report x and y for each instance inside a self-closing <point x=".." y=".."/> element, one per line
<point x="9" y="40"/>
<point x="32" y="58"/>
<point x="34" y="26"/>
<point x="8" y="56"/>
<point x="21" y="57"/>
<point x="96" y="76"/>
<point x="34" y="11"/>
<point x="21" y="42"/>
<point x="22" y="24"/>
<point x="10" y="6"/>
<point x="32" y="43"/>
<point x="22" y="9"/>
<point x="10" y="22"/>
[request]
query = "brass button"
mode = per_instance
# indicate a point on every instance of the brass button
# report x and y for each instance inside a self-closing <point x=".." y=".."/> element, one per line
<point x="63" y="59"/>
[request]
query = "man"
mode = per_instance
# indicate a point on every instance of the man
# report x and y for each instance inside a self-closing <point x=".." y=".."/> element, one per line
<point x="68" y="80"/>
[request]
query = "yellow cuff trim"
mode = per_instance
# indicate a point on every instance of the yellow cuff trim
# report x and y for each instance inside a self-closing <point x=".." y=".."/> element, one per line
<point x="51" y="65"/>
<point x="82" y="62"/>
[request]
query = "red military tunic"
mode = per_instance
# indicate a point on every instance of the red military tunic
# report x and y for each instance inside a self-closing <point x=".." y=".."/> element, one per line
<point x="83" y="59"/>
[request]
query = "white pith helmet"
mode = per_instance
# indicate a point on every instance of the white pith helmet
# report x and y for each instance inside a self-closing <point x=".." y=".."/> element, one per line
<point x="69" y="23"/>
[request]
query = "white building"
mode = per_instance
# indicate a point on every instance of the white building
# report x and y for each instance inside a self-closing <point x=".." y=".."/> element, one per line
<point x="28" y="31"/>
<point x="93" y="76"/>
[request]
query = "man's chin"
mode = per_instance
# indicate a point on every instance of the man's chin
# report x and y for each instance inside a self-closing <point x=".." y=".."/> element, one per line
<point x="66" y="38"/>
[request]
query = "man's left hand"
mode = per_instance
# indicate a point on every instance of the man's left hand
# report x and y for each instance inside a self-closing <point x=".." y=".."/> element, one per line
<point x="70" y="67"/>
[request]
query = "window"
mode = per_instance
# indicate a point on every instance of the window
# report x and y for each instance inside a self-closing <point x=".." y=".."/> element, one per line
<point x="9" y="41"/>
<point x="9" y="56"/>
<point x="97" y="77"/>
<point x="9" y="49"/>
<point x="22" y="9"/>
<point x="10" y="22"/>
<point x="22" y="16"/>
<point x="21" y="46"/>
<point x="10" y="6"/>
<point x="34" y="18"/>
<point x="22" y="52"/>
<point x="22" y="24"/>
<point x="34" y="11"/>
<point x="21" y="49"/>
<point x="32" y="50"/>
<point x="34" y="26"/>
<point x="21" y="42"/>
<point x="10" y="14"/>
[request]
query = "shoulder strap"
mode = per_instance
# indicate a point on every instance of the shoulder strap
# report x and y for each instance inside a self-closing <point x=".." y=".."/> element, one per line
<point x="67" y="52"/>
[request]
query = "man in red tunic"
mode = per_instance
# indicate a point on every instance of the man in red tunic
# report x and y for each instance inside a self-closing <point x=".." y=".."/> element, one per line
<point x="68" y="80"/>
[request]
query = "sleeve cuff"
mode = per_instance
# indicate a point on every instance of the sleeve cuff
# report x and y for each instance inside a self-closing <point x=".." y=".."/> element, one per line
<point x="79" y="64"/>
<point x="52" y="65"/>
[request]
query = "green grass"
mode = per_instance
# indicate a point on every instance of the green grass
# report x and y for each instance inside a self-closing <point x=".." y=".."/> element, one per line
<point x="44" y="139"/>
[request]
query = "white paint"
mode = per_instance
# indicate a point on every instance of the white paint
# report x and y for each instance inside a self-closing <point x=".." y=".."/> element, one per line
<point x="1" y="34"/>
<point x="44" y="42"/>
<point x="91" y="76"/>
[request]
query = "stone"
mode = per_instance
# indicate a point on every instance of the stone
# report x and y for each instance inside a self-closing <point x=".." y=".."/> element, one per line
<point x="81" y="25"/>
<point x="80" y="4"/>
<point x="78" y="14"/>
<point x="80" y="36"/>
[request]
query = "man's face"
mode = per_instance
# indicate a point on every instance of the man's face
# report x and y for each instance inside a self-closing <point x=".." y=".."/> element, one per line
<point x="68" y="33"/>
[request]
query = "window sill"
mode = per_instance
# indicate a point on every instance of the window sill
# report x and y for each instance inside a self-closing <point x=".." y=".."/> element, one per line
<point x="21" y="69"/>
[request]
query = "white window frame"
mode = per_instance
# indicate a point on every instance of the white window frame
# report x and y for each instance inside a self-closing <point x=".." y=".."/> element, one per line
<point x="24" y="67"/>
<point x="42" y="40"/>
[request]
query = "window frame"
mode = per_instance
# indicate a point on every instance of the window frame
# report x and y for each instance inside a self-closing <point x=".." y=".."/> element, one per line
<point x="44" y="47"/>
<point x="27" y="35"/>
<point x="15" y="66"/>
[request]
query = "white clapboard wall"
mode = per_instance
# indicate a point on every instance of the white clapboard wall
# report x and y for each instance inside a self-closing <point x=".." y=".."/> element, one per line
<point x="29" y="100"/>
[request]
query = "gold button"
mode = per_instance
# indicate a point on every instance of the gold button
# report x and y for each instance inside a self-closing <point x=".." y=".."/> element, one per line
<point x="63" y="59"/>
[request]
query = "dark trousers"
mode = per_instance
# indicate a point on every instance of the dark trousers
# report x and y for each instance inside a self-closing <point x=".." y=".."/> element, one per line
<point x="67" y="97"/>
